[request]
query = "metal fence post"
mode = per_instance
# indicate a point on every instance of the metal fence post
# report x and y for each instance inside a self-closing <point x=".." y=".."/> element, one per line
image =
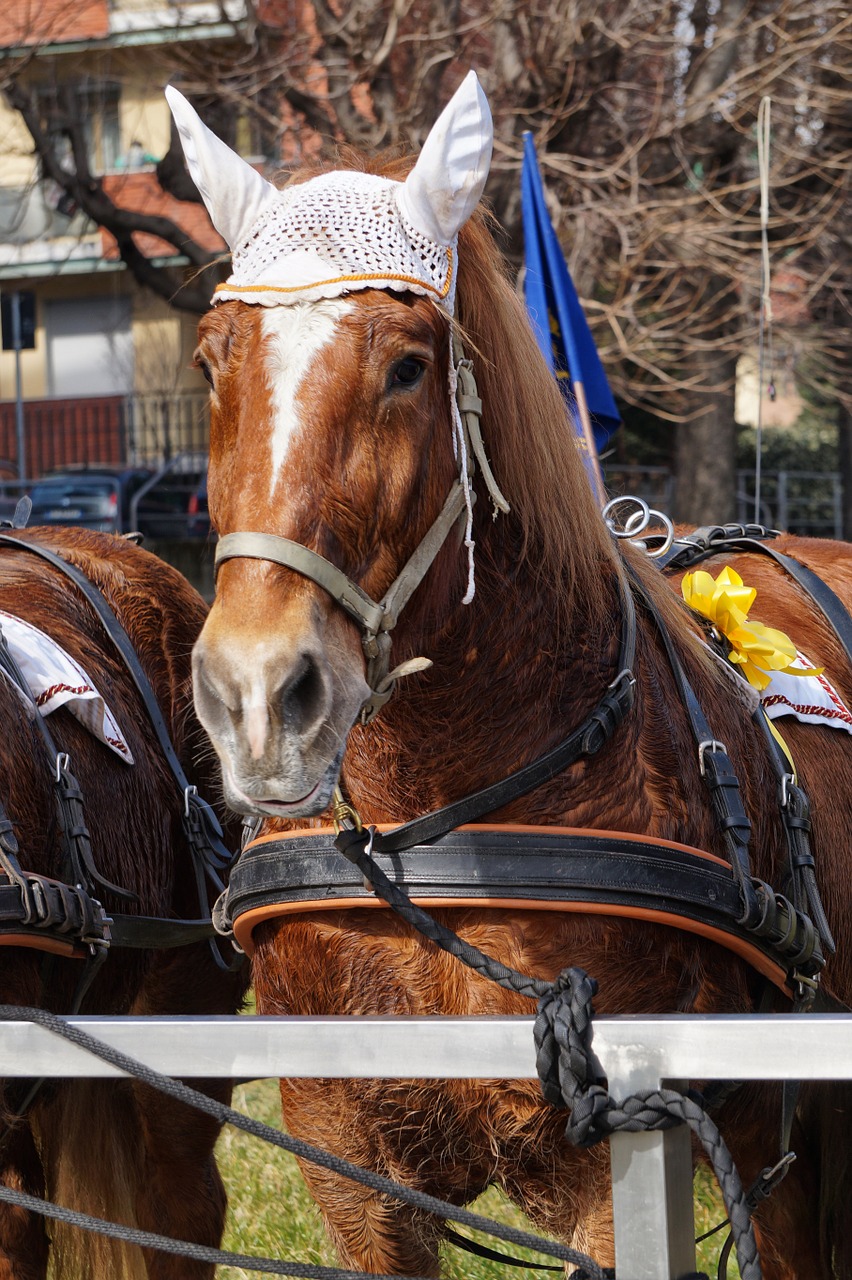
<point x="652" y="1206"/>
<point x="783" y="516"/>
<point x="18" y="342"/>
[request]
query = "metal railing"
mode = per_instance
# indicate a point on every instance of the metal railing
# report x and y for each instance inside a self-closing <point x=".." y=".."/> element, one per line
<point x="652" y="1172"/>
<point x="131" y="430"/>
<point x="802" y="502"/>
<point x="152" y="429"/>
<point x="159" y="428"/>
<point x="655" y="485"/>
<point x="806" y="502"/>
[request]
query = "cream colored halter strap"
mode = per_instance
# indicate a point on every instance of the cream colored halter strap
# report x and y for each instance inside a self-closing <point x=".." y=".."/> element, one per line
<point x="378" y="618"/>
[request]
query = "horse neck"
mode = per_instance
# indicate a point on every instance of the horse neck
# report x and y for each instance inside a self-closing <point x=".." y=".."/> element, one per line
<point x="513" y="673"/>
<point x="509" y="681"/>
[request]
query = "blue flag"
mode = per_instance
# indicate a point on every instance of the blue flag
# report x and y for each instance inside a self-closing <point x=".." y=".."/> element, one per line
<point x="559" y="324"/>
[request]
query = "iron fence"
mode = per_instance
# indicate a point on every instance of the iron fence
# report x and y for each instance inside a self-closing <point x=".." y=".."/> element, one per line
<point x="172" y="430"/>
<point x="801" y="502"/>
<point x="160" y="428"/>
<point x="116" y="431"/>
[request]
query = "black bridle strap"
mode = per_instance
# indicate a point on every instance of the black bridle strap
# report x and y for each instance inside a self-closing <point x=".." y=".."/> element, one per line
<point x="714" y="763"/>
<point x="715" y="540"/>
<point x="76" y="841"/>
<point x="118" y="637"/>
<point x="830" y="604"/>
<point x="121" y="642"/>
<point x="588" y="738"/>
<point x="157" y="933"/>
<point x="765" y="913"/>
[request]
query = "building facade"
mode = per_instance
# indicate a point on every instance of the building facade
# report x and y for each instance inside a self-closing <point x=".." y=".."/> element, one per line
<point x="94" y="367"/>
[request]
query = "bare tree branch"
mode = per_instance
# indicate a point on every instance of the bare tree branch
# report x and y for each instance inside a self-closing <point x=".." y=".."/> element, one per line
<point x="644" y="117"/>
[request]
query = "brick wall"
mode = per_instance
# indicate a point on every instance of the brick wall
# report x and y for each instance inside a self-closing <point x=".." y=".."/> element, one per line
<point x="48" y="21"/>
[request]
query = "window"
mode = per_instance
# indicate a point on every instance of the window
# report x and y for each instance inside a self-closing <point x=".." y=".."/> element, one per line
<point x="89" y="346"/>
<point x="246" y="131"/>
<point x="90" y="106"/>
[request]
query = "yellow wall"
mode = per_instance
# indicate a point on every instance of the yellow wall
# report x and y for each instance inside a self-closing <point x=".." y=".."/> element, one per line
<point x="783" y="411"/>
<point x="143" y="111"/>
<point x="144" y="114"/>
<point x="163" y="340"/>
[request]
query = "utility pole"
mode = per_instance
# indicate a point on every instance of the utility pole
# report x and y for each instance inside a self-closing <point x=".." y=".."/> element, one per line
<point x="17" y="339"/>
<point x="18" y="323"/>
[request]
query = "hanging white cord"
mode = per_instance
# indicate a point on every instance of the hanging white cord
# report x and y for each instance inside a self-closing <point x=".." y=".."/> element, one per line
<point x="460" y="451"/>
<point x="765" y="322"/>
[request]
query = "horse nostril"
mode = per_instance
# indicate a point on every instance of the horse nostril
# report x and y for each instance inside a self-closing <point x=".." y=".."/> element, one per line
<point x="303" y="699"/>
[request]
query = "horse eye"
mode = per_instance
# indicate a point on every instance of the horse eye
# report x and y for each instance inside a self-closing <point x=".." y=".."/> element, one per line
<point x="408" y="372"/>
<point x="205" y="369"/>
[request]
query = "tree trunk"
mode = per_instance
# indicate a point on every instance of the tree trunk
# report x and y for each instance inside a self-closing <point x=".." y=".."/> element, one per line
<point x="705" y="450"/>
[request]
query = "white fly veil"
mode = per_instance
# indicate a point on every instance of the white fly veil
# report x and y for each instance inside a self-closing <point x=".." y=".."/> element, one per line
<point x="342" y="231"/>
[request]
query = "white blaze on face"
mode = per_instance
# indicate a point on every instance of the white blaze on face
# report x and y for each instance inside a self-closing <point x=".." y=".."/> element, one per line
<point x="256" y="717"/>
<point x="295" y="334"/>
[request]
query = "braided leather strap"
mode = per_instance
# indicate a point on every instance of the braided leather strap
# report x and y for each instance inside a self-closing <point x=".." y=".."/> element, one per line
<point x="572" y="1077"/>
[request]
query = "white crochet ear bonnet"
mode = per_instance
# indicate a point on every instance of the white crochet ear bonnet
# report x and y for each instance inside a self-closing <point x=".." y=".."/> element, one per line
<point x="343" y="231"/>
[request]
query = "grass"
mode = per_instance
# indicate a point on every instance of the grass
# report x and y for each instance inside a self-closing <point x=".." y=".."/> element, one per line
<point x="272" y="1215"/>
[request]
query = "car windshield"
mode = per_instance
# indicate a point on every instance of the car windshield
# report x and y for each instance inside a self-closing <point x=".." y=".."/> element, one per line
<point x="49" y="492"/>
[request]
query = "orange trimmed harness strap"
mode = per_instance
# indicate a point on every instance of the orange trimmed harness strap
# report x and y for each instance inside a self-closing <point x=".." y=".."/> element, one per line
<point x="516" y="867"/>
<point x="626" y="874"/>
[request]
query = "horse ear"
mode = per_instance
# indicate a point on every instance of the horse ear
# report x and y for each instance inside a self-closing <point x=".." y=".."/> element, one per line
<point x="446" y="183"/>
<point x="234" y="193"/>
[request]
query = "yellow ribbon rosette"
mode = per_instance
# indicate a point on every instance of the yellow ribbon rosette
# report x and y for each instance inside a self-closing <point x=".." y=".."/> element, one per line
<point x="759" y="650"/>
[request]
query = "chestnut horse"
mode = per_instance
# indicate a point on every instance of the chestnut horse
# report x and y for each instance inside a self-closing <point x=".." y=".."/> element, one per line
<point x="111" y="1148"/>
<point x="333" y="428"/>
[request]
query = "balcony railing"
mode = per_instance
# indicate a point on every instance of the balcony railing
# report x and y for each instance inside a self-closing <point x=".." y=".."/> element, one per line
<point x="149" y="430"/>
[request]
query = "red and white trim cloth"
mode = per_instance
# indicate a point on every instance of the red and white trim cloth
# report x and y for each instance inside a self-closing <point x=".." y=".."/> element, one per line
<point x="812" y="699"/>
<point x="55" y="680"/>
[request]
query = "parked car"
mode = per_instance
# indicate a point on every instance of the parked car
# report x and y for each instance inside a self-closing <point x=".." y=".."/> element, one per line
<point x="117" y="500"/>
<point x="11" y="493"/>
<point x="91" y="497"/>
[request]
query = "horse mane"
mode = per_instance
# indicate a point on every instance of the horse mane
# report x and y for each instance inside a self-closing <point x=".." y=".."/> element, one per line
<point x="527" y="432"/>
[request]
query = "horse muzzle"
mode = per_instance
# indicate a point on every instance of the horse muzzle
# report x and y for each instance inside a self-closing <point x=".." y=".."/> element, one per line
<point x="277" y="711"/>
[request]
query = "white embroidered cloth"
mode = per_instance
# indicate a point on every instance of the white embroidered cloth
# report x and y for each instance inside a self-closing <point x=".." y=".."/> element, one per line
<point x="812" y="699"/>
<point x="55" y="680"/>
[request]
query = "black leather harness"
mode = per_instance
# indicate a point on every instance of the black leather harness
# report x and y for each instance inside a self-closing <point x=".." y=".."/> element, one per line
<point x="431" y="860"/>
<point x="67" y="917"/>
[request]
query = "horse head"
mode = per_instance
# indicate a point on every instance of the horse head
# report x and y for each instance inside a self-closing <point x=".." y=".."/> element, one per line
<point x="336" y="444"/>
